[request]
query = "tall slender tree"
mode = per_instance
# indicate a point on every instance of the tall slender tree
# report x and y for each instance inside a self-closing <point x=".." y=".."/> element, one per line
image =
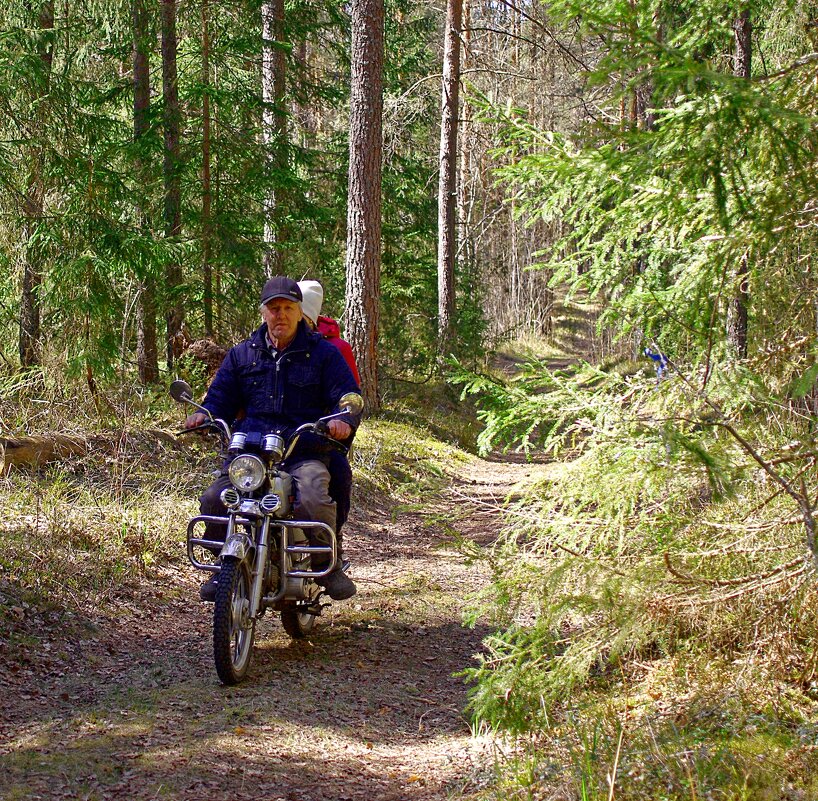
<point x="34" y="193"/>
<point x="363" y="256"/>
<point x="146" y="351"/>
<point x="273" y="127"/>
<point x="172" y="121"/>
<point x="447" y="180"/>
<point x="737" y="313"/>
<point x="464" y="195"/>
<point x="207" y="194"/>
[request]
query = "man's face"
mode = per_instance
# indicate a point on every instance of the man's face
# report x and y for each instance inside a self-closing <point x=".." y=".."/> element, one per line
<point x="281" y="316"/>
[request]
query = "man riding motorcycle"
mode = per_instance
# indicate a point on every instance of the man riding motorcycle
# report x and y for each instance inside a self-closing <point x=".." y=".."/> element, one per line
<point x="283" y="376"/>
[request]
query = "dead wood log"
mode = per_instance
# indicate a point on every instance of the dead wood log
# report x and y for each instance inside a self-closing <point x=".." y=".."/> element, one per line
<point x="35" y="451"/>
<point x="208" y="352"/>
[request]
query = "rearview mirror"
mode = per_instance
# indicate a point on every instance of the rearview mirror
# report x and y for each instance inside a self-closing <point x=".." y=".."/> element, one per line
<point x="180" y="391"/>
<point x="352" y="403"/>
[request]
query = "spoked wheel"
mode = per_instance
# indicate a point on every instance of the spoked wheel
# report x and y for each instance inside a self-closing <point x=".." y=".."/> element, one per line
<point x="233" y="630"/>
<point x="297" y="622"/>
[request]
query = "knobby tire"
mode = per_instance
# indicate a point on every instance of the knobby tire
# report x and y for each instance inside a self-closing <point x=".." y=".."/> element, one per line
<point x="233" y="632"/>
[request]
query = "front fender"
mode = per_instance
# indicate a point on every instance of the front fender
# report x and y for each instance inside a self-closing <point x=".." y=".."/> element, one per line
<point x="237" y="545"/>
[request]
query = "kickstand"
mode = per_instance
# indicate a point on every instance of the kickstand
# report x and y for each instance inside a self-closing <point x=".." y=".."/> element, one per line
<point x="315" y="608"/>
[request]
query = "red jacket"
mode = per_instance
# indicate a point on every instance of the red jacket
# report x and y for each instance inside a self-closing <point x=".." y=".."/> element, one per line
<point x="331" y="331"/>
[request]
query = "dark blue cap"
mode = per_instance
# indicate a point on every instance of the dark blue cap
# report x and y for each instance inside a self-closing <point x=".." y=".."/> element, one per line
<point x="281" y="287"/>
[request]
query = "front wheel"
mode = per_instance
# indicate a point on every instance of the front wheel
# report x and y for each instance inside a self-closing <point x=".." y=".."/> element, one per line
<point x="233" y="629"/>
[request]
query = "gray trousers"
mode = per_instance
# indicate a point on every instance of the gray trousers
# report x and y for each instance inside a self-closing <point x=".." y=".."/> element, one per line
<point x="312" y="502"/>
<point x="312" y="499"/>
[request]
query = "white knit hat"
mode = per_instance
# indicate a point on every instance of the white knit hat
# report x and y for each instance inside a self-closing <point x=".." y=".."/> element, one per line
<point x="313" y="297"/>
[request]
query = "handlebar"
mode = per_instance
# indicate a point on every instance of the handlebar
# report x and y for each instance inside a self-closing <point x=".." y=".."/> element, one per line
<point x="200" y="427"/>
<point x="214" y="423"/>
<point x="350" y="403"/>
<point x="320" y="428"/>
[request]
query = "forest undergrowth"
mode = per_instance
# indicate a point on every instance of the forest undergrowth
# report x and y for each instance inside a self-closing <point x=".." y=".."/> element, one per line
<point x="653" y="602"/>
<point x="106" y="656"/>
<point x="655" y="598"/>
<point x="78" y="528"/>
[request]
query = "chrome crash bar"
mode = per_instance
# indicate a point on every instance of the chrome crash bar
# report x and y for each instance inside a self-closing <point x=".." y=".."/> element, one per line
<point x="289" y="548"/>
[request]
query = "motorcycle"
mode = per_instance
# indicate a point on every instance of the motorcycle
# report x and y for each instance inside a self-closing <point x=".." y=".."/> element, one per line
<point x="265" y="559"/>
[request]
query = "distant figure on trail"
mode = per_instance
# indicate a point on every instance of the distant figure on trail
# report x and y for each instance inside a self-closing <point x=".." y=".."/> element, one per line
<point x="340" y="485"/>
<point x="659" y="362"/>
<point x="284" y="375"/>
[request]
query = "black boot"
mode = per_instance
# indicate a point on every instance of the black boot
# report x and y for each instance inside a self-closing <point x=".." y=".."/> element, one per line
<point x="339" y="585"/>
<point x="207" y="592"/>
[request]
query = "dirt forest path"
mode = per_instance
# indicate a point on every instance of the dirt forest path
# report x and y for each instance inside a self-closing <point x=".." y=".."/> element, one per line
<point x="126" y="704"/>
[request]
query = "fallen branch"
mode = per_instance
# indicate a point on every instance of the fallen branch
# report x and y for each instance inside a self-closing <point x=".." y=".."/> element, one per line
<point x="686" y="598"/>
<point x="756" y="577"/>
<point x="35" y="451"/>
<point x="800" y="497"/>
<point x="767" y="525"/>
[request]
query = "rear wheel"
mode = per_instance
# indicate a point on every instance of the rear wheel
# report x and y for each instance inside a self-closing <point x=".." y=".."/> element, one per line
<point x="233" y="630"/>
<point x="296" y="623"/>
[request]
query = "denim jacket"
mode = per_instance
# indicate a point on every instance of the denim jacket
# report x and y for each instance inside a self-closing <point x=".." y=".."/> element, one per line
<point x="278" y="391"/>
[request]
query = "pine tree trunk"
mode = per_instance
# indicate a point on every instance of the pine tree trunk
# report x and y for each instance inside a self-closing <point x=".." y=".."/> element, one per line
<point x="146" y="353"/>
<point x="363" y="257"/>
<point x="304" y="113"/>
<point x="216" y="187"/>
<point x="737" y="316"/>
<point x="465" y="197"/>
<point x="273" y="128"/>
<point x="447" y="183"/>
<point x="32" y="270"/>
<point x="207" y="198"/>
<point x="175" y="314"/>
<point x="147" y="357"/>
<point x="33" y="201"/>
<point x="737" y="313"/>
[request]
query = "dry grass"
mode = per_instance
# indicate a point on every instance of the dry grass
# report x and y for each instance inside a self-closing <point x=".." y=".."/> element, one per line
<point x="105" y="660"/>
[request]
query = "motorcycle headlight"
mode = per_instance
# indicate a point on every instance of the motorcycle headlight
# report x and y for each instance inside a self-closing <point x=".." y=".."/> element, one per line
<point x="246" y="472"/>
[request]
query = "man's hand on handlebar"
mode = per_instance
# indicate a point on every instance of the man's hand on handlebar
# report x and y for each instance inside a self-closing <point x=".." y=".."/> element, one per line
<point x="196" y="419"/>
<point x="338" y="429"/>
